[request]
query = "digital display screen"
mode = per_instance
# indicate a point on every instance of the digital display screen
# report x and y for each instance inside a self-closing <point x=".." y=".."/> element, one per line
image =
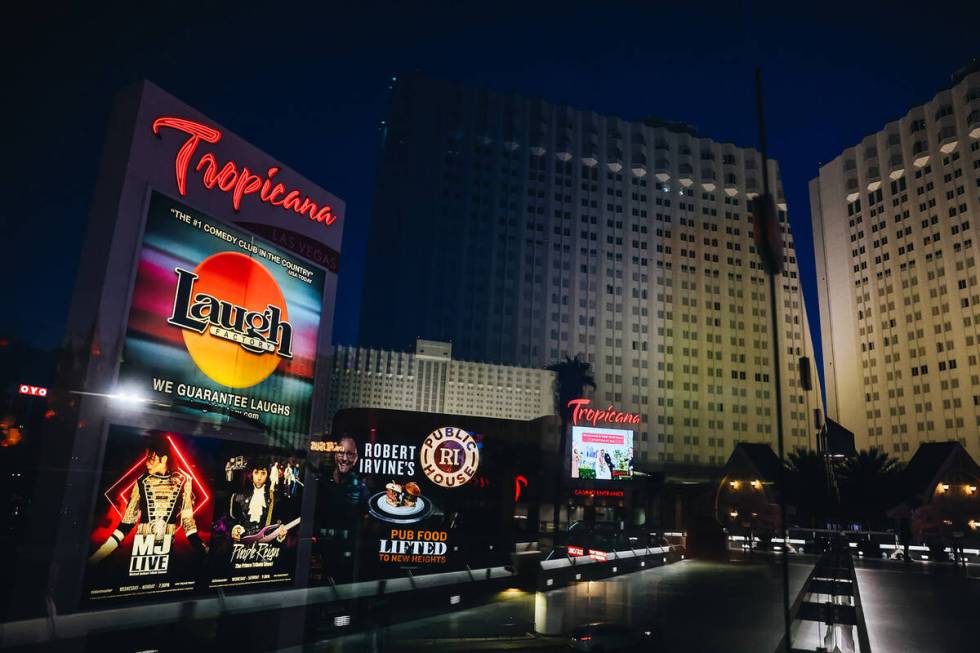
<point x="602" y="454"/>
<point x="222" y="325"/>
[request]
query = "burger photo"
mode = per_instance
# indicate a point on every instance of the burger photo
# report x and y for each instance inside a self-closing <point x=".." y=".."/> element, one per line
<point x="412" y="493"/>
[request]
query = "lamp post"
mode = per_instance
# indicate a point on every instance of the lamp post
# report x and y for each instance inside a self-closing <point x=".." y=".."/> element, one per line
<point x="769" y="243"/>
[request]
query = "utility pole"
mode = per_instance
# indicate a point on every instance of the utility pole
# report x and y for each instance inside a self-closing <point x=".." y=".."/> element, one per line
<point x="769" y="243"/>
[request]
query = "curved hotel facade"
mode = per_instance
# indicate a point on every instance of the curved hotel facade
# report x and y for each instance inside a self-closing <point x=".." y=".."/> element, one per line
<point x="525" y="231"/>
<point x="894" y="225"/>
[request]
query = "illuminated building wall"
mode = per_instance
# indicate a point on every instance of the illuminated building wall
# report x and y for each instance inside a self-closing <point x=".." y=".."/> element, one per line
<point x="523" y="231"/>
<point x="430" y="380"/>
<point x="894" y="223"/>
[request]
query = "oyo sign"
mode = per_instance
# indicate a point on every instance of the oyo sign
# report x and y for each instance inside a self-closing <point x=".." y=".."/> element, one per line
<point x="33" y="390"/>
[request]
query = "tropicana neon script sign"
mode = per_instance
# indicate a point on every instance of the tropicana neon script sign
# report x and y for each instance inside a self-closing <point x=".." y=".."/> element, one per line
<point x="234" y="178"/>
<point x="594" y="415"/>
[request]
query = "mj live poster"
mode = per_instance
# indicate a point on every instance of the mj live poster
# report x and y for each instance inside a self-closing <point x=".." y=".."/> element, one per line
<point x="182" y="515"/>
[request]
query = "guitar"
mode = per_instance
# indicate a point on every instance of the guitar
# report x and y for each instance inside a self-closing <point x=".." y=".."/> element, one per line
<point x="270" y="532"/>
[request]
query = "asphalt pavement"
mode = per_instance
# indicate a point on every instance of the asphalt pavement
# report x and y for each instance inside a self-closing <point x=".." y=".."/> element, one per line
<point x="693" y="605"/>
<point x="925" y="607"/>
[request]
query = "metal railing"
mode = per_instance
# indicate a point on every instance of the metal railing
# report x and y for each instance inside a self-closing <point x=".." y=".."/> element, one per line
<point x="827" y="614"/>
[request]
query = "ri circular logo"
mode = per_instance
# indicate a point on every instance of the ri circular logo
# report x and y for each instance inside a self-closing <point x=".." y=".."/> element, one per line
<point x="450" y="456"/>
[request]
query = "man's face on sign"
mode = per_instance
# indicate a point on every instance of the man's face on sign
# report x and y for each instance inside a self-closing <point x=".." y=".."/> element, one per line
<point x="259" y="477"/>
<point x="155" y="463"/>
<point x="346" y="458"/>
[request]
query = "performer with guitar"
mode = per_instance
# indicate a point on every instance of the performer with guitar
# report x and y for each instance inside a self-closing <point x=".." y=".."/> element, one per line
<point x="253" y="512"/>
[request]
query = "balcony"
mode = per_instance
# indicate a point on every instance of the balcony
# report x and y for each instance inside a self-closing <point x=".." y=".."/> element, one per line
<point x="708" y="178"/>
<point x="731" y="184"/>
<point x="896" y="166"/>
<point x="590" y="154"/>
<point x="973" y="123"/>
<point x="685" y="174"/>
<point x="920" y="150"/>
<point x="510" y="141"/>
<point x="661" y="168"/>
<point x="563" y="150"/>
<point x="874" y="177"/>
<point x="614" y="157"/>
<point x="638" y="162"/>
<point x="538" y="144"/>
<point x="947" y="139"/>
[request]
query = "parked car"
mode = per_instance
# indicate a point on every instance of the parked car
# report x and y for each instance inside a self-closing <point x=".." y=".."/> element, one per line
<point x="596" y="637"/>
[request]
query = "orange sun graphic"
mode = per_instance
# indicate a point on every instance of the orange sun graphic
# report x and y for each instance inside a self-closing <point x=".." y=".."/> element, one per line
<point x="242" y="281"/>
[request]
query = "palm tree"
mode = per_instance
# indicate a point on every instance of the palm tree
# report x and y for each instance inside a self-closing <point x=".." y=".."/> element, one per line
<point x="809" y="487"/>
<point x="572" y="375"/>
<point x="869" y="482"/>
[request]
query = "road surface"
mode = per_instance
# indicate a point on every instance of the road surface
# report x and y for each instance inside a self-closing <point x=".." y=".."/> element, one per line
<point x="694" y="605"/>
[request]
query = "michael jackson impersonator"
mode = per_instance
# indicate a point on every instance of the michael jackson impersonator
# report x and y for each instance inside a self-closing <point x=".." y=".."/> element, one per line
<point x="161" y="501"/>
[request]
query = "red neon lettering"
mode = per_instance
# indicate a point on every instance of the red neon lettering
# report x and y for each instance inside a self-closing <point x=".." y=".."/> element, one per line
<point x="278" y="190"/>
<point x="268" y="184"/>
<point x="326" y="215"/>
<point x="594" y="416"/>
<point x="210" y="177"/>
<point x="235" y="179"/>
<point x="197" y="132"/>
<point x="247" y="184"/>
<point x="227" y="177"/>
<point x="291" y="201"/>
<point x="519" y="481"/>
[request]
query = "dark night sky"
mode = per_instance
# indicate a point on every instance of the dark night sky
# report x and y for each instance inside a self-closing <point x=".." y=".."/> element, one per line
<point x="311" y="88"/>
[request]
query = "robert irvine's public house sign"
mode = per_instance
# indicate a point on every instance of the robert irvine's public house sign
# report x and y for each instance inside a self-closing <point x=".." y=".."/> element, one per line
<point x="205" y="293"/>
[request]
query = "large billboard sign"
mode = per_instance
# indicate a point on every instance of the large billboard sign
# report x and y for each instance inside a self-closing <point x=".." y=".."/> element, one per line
<point x="602" y="454"/>
<point x="206" y="289"/>
<point x="407" y="498"/>
<point x="221" y="322"/>
<point x="180" y="515"/>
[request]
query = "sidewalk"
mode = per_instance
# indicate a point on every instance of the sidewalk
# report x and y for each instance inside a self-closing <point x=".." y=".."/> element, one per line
<point x="528" y="642"/>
